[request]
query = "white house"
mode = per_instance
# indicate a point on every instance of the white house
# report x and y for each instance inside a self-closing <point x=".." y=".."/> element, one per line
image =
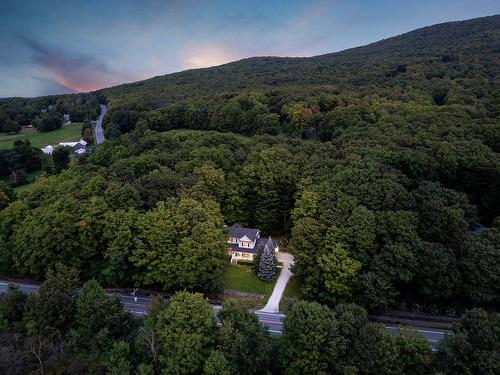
<point x="48" y="150"/>
<point x="78" y="148"/>
<point x="244" y="243"/>
<point x="81" y="142"/>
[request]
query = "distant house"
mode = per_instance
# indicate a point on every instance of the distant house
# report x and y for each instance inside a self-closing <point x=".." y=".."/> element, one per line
<point x="245" y="242"/>
<point x="66" y="118"/>
<point x="48" y="150"/>
<point x="78" y="148"/>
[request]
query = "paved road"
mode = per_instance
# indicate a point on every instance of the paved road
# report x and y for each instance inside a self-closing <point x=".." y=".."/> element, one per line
<point x="273" y="303"/>
<point x="98" y="133"/>
<point x="272" y="321"/>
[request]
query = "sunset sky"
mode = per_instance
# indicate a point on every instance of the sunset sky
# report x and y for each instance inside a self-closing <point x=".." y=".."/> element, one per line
<point x="51" y="47"/>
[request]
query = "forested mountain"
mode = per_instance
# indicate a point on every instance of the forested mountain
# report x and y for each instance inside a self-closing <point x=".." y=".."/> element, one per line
<point x="431" y="91"/>
<point x="464" y="55"/>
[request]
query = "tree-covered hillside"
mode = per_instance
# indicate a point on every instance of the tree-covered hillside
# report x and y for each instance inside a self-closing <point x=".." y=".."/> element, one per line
<point x="378" y="167"/>
<point x="378" y="164"/>
<point x="463" y="55"/>
<point x="431" y="91"/>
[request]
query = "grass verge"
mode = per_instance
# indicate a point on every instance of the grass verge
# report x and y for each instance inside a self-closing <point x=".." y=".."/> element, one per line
<point x="293" y="288"/>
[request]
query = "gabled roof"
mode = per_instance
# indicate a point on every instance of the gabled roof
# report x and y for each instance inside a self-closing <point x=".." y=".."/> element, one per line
<point x="48" y="149"/>
<point x="236" y="231"/>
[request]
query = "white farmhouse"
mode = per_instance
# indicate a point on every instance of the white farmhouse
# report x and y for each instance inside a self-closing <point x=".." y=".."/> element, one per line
<point x="244" y="243"/>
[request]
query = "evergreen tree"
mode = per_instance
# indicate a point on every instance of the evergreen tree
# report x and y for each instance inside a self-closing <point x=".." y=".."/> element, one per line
<point x="256" y="259"/>
<point x="267" y="264"/>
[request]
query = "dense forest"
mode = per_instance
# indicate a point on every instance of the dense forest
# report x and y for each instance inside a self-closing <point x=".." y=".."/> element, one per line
<point x="148" y="209"/>
<point x="378" y="167"/>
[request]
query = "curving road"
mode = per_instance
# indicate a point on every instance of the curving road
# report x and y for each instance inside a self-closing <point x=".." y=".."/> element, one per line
<point x="98" y="132"/>
<point x="139" y="307"/>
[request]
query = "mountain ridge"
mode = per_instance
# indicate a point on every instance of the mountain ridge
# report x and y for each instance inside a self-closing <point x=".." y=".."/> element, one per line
<point x="472" y="41"/>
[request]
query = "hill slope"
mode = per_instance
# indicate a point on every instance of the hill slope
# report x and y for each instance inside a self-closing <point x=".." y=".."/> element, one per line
<point x="432" y="92"/>
<point x="456" y="49"/>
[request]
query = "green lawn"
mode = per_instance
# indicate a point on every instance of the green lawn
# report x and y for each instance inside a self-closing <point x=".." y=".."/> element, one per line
<point x="67" y="133"/>
<point x="243" y="278"/>
<point x="292" y="289"/>
<point x="27" y="187"/>
<point x="24" y="188"/>
<point x="184" y="131"/>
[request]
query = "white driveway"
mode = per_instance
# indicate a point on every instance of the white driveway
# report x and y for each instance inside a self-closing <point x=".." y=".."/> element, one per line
<point x="273" y="304"/>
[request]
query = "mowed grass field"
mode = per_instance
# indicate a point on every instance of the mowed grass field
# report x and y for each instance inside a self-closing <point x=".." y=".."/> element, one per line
<point x="66" y="133"/>
<point x="243" y="278"/>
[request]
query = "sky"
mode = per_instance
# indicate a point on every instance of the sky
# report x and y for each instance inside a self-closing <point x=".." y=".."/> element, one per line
<point x="62" y="46"/>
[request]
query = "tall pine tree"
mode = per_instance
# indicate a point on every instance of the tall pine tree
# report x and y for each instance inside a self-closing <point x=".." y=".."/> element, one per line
<point x="267" y="263"/>
<point x="256" y="259"/>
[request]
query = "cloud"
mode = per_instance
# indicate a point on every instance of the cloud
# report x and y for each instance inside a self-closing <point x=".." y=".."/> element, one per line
<point x="76" y="73"/>
<point x="245" y="21"/>
<point x="203" y="57"/>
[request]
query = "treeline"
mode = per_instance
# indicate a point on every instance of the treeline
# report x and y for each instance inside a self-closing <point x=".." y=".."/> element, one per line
<point x="18" y="162"/>
<point x="46" y="113"/>
<point x="367" y="224"/>
<point x="65" y="328"/>
<point x="177" y="245"/>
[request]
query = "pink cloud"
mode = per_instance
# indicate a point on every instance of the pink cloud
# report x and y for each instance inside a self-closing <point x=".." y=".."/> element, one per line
<point x="75" y="72"/>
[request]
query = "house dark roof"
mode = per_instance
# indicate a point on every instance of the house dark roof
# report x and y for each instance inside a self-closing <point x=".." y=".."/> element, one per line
<point x="237" y="231"/>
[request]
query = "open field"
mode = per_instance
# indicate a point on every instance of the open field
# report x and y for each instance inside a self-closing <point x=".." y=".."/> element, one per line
<point x="29" y="186"/>
<point x="24" y="188"/>
<point x="185" y="132"/>
<point x="66" y="133"/>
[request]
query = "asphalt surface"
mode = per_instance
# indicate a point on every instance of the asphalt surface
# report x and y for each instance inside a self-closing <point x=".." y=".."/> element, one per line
<point x="273" y="303"/>
<point x="98" y="132"/>
<point x="272" y="321"/>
